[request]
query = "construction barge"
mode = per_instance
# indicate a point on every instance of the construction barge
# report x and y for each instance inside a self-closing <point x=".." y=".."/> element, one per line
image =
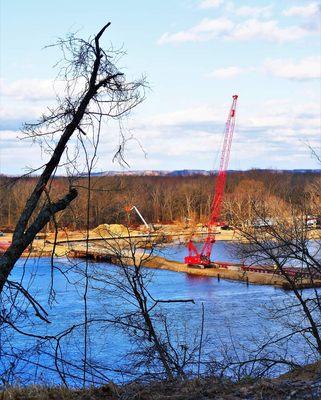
<point x="254" y="274"/>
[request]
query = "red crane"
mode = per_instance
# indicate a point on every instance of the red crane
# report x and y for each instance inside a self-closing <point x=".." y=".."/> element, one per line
<point x="203" y="258"/>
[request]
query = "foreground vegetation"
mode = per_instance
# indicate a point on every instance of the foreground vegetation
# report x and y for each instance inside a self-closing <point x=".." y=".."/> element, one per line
<point x="299" y="384"/>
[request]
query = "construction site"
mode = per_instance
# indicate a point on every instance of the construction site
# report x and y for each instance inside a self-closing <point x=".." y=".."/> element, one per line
<point x="160" y="219"/>
<point x="114" y="243"/>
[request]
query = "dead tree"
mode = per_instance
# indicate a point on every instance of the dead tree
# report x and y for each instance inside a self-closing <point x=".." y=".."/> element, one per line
<point x="95" y="89"/>
<point x="285" y="241"/>
<point x="156" y="350"/>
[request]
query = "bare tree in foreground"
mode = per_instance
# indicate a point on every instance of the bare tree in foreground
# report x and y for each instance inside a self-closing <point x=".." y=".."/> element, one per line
<point x="283" y="239"/>
<point x="95" y="89"/>
<point x="160" y="349"/>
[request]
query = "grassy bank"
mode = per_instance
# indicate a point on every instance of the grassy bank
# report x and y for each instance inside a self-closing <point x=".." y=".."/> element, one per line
<point x="301" y="384"/>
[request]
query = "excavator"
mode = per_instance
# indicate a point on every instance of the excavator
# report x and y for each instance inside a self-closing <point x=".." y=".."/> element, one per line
<point x="130" y="208"/>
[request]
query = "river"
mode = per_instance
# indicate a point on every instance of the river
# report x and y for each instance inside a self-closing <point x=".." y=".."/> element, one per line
<point x="235" y="313"/>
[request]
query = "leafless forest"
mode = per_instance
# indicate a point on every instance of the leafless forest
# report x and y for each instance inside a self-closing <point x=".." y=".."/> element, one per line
<point x="160" y="199"/>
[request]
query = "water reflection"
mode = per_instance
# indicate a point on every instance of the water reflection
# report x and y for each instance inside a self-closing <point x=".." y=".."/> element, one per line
<point x="231" y="308"/>
<point x="198" y="278"/>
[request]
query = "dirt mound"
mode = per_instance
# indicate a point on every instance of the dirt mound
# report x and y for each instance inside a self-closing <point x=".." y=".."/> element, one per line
<point x="111" y="230"/>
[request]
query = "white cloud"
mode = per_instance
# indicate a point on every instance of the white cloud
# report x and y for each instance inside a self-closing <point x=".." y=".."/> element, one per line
<point x="226" y="72"/>
<point x="30" y="89"/>
<point x="247" y="11"/>
<point x="304" y="69"/>
<point x="272" y="114"/>
<point x="9" y="135"/>
<point x="17" y="113"/>
<point x="215" y="26"/>
<point x="244" y="11"/>
<point x="271" y="129"/>
<point x="210" y="3"/>
<point x="190" y="136"/>
<point x="17" y="154"/>
<point x="246" y="30"/>
<point x="201" y="113"/>
<point x="310" y="10"/>
<point x="267" y="30"/>
<point x="307" y="68"/>
<point x="205" y="30"/>
<point x="178" y="37"/>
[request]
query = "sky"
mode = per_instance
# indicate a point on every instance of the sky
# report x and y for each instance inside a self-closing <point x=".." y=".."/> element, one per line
<point x="195" y="54"/>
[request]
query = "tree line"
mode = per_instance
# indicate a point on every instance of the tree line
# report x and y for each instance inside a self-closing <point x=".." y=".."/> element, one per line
<point x="161" y="199"/>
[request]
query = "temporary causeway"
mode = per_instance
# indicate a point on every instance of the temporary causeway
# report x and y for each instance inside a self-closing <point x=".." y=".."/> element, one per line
<point x="266" y="275"/>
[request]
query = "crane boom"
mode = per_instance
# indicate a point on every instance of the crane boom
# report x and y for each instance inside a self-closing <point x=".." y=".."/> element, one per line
<point x="203" y="257"/>
<point x="225" y="157"/>
<point x="140" y="216"/>
<point x="128" y="209"/>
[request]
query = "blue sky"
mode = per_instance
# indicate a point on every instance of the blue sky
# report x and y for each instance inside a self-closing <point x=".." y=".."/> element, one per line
<point x="196" y="55"/>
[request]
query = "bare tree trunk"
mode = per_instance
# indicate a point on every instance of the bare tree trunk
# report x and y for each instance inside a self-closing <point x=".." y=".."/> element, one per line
<point x="103" y="77"/>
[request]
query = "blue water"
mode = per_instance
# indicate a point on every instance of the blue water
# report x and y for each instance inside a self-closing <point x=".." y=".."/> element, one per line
<point x="234" y="314"/>
<point x="222" y="251"/>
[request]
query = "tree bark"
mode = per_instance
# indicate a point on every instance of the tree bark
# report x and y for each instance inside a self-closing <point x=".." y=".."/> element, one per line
<point x="22" y="237"/>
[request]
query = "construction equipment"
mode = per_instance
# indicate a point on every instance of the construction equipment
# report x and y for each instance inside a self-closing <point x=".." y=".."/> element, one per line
<point x="148" y="226"/>
<point x="203" y="258"/>
<point x="4" y="245"/>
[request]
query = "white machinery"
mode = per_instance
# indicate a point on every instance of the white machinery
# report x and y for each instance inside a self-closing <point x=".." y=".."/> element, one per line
<point x="148" y="226"/>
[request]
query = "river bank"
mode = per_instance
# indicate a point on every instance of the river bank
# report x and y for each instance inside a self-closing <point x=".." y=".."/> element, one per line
<point x="111" y="242"/>
<point x="300" y="384"/>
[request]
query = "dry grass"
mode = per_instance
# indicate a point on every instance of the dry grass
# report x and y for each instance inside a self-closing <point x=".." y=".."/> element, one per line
<point x="107" y="392"/>
<point x="309" y="372"/>
<point x="196" y="389"/>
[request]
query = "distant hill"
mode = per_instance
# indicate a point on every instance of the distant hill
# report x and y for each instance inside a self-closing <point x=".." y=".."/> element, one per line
<point x="188" y="172"/>
<point x="183" y="172"/>
<point x="180" y="172"/>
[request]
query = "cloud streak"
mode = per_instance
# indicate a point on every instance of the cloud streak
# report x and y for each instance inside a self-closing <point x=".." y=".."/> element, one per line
<point x="225" y="28"/>
<point x="273" y="130"/>
<point x="226" y="72"/>
<point x="248" y="11"/>
<point x="304" y="69"/>
<point x="307" y="68"/>
<point x="210" y="4"/>
<point x="207" y="29"/>
<point x="30" y="89"/>
<point x="307" y="11"/>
